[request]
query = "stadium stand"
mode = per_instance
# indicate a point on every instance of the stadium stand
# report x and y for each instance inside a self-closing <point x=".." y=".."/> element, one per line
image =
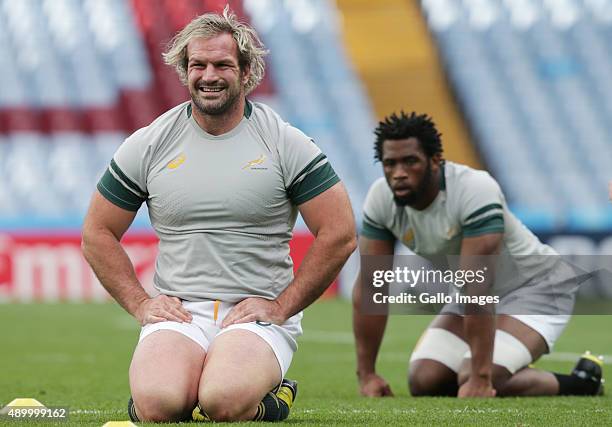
<point x="401" y="69"/>
<point x="79" y="75"/>
<point x="532" y="77"/>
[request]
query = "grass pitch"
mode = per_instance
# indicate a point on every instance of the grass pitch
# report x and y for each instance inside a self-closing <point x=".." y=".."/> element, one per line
<point x="78" y="356"/>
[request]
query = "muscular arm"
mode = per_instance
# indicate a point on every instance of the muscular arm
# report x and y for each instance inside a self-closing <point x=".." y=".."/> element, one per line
<point x="479" y="328"/>
<point x="369" y="329"/>
<point x="103" y="228"/>
<point x="330" y="218"/>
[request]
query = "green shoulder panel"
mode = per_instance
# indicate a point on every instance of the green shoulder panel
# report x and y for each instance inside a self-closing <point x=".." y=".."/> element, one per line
<point x="116" y="192"/>
<point x="313" y="180"/>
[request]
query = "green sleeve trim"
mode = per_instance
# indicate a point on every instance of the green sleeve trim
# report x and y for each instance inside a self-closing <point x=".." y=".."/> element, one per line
<point x="127" y="180"/>
<point x="307" y="169"/>
<point x="483" y="210"/>
<point x="114" y="191"/>
<point x="489" y="225"/>
<point x="375" y="233"/>
<point x="313" y="184"/>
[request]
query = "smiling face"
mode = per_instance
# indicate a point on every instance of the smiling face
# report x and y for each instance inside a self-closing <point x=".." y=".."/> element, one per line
<point x="410" y="173"/>
<point x="214" y="77"/>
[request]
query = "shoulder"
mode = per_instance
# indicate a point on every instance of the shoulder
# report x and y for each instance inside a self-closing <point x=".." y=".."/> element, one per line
<point x="163" y="126"/>
<point x="380" y="196"/>
<point x="381" y="188"/>
<point x="462" y="180"/>
<point x="378" y="212"/>
<point x="476" y="200"/>
<point x="267" y="121"/>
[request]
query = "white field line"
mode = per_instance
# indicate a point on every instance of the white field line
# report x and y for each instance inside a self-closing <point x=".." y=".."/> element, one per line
<point x="346" y="338"/>
<point x="97" y="412"/>
<point x="340" y="411"/>
<point x="454" y="411"/>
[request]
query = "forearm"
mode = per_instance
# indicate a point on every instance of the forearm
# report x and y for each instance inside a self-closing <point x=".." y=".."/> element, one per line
<point x="320" y="266"/>
<point x="369" y="331"/>
<point x="480" y="335"/>
<point x="114" y="269"/>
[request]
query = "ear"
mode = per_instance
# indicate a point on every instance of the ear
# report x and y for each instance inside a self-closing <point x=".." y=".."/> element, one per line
<point x="246" y="74"/>
<point x="436" y="159"/>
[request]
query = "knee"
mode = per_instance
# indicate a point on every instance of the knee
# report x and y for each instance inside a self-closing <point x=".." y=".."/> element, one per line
<point x="420" y="384"/>
<point x="501" y="381"/>
<point x="162" y="407"/>
<point x="221" y="406"/>
<point x="424" y="379"/>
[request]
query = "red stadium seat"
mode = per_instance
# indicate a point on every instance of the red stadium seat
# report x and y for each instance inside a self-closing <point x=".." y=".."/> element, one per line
<point x="17" y="119"/>
<point x="61" y="119"/>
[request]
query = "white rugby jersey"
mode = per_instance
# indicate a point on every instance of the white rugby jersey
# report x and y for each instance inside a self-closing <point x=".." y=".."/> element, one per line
<point x="222" y="206"/>
<point x="470" y="203"/>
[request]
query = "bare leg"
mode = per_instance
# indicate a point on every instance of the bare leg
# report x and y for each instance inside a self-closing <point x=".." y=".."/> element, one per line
<point x="164" y="376"/>
<point x="527" y="381"/>
<point x="427" y="377"/>
<point x="239" y="370"/>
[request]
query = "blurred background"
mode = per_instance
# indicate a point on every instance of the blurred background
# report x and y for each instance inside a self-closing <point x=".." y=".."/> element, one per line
<point x="522" y="88"/>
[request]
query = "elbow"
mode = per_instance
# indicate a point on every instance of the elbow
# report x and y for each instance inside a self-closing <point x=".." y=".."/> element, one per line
<point x="86" y="241"/>
<point x="90" y="238"/>
<point x="347" y="243"/>
<point x="351" y="244"/>
<point x="341" y="242"/>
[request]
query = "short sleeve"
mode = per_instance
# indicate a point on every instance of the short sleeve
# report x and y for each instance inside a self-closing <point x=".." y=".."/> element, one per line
<point x="375" y="211"/>
<point x="482" y="206"/>
<point x="124" y="182"/>
<point x="307" y="171"/>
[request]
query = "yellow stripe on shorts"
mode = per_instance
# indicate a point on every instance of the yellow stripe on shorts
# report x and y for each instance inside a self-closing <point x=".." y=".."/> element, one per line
<point x="216" y="310"/>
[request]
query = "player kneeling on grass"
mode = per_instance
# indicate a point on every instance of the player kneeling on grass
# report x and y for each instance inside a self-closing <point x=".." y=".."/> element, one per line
<point x="223" y="179"/>
<point x="436" y="207"/>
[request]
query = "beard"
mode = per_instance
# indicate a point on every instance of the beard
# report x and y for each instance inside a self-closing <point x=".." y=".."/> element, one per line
<point x="413" y="198"/>
<point x="229" y="96"/>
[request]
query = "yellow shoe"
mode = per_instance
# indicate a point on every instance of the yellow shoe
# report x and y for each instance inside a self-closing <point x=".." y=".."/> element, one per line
<point x="287" y="392"/>
<point x="198" y="414"/>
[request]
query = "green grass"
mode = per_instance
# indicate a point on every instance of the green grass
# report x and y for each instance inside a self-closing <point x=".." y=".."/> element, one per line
<point x="78" y="356"/>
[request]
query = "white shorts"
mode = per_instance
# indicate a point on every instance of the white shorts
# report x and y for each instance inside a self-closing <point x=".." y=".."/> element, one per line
<point x="549" y="327"/>
<point x="206" y="326"/>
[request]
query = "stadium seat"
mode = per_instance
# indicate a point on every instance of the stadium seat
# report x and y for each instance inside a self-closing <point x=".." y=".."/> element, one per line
<point x="533" y="80"/>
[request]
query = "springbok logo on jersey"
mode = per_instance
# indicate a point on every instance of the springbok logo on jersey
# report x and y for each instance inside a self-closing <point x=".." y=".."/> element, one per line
<point x="177" y="161"/>
<point x="408" y="236"/>
<point x="253" y="164"/>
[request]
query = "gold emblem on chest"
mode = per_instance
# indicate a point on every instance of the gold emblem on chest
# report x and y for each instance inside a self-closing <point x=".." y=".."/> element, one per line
<point x="408" y="236"/>
<point x="177" y="161"/>
<point x="253" y="164"/>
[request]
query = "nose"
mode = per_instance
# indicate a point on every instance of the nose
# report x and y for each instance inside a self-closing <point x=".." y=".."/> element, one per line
<point x="210" y="74"/>
<point x="399" y="173"/>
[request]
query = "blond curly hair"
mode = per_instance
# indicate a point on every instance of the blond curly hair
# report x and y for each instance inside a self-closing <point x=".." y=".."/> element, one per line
<point x="250" y="48"/>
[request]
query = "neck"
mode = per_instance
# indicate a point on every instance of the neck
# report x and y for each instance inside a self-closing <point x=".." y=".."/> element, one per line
<point x="218" y="124"/>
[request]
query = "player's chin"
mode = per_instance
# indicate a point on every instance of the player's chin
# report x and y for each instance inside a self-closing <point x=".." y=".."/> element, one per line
<point x="212" y="106"/>
<point x="404" y="199"/>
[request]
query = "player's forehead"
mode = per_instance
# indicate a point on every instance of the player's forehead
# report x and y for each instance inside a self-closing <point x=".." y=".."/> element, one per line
<point x="215" y="48"/>
<point x="399" y="148"/>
